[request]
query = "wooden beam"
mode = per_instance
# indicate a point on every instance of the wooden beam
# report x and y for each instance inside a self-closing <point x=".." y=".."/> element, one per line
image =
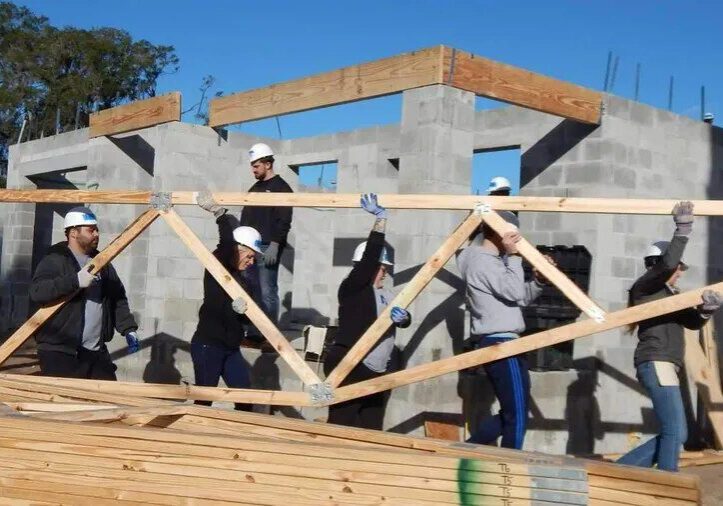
<point x="706" y="380"/>
<point x="552" y="273"/>
<point x="522" y="345"/>
<point x="136" y="115"/>
<point x="521" y="87"/>
<point x="367" y="80"/>
<point x="99" y="261"/>
<point x="390" y="201"/>
<point x="234" y="290"/>
<point x="161" y="391"/>
<point x="459" y="202"/>
<point x="405" y="297"/>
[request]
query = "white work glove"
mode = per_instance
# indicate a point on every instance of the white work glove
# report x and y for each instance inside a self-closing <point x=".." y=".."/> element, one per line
<point x="711" y="302"/>
<point x="206" y="202"/>
<point x="85" y="278"/>
<point x="271" y="255"/>
<point x="239" y="305"/>
<point x="683" y="218"/>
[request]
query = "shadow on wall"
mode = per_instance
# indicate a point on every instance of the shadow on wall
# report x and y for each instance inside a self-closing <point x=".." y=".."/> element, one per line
<point x="138" y="150"/>
<point x="550" y="148"/>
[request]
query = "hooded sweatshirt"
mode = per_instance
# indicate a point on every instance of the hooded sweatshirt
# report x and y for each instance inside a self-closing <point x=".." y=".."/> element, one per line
<point x="495" y="290"/>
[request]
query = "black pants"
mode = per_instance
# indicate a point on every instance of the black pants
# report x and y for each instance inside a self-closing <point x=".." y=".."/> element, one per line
<point x="85" y="364"/>
<point x="363" y="412"/>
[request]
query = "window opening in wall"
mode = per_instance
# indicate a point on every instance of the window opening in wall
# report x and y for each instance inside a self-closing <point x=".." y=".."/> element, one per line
<point x="317" y="177"/>
<point x="488" y="163"/>
<point x="486" y="104"/>
<point x="552" y="309"/>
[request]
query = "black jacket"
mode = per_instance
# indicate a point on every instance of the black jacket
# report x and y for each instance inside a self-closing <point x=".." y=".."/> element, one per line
<point x="273" y="223"/>
<point x="661" y="338"/>
<point x="357" y="304"/>
<point x="218" y="323"/>
<point x="56" y="276"/>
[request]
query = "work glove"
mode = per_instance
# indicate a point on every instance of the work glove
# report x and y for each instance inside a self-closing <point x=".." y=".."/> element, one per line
<point x="399" y="315"/>
<point x="133" y="343"/>
<point x="85" y="278"/>
<point x="239" y="305"/>
<point x="207" y="203"/>
<point x="683" y="217"/>
<point x="711" y="302"/>
<point x="271" y="255"/>
<point x="369" y="204"/>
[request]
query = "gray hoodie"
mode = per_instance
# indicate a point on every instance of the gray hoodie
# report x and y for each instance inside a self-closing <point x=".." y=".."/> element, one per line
<point x="496" y="290"/>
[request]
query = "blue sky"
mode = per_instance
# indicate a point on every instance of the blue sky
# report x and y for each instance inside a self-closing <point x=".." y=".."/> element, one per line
<point x="251" y="44"/>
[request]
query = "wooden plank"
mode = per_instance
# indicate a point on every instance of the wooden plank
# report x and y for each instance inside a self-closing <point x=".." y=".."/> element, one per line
<point x="552" y="273"/>
<point x="99" y="261"/>
<point x="706" y="380"/>
<point x="367" y="80"/>
<point x="77" y="394"/>
<point x="458" y="202"/>
<point x="136" y="115"/>
<point x="522" y="345"/>
<point x="163" y="391"/>
<point x="111" y="415"/>
<point x="521" y="87"/>
<point x="76" y="196"/>
<point x="390" y="201"/>
<point x="234" y="290"/>
<point x="441" y="430"/>
<point x="404" y="298"/>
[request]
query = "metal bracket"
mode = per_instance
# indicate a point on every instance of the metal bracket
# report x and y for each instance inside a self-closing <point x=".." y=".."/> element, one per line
<point x="596" y="314"/>
<point x="239" y="305"/>
<point x="161" y="201"/>
<point x="321" y="393"/>
<point x="482" y="208"/>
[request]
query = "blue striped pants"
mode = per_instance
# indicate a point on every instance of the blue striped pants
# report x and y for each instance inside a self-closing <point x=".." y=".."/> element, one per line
<point x="510" y="380"/>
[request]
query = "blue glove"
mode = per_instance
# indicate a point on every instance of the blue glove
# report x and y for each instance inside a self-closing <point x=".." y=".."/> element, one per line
<point x="399" y="315"/>
<point x="369" y="204"/>
<point x="133" y="343"/>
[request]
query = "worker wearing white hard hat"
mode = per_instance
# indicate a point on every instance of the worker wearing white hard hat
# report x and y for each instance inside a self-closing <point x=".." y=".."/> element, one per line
<point x="499" y="186"/>
<point x="362" y="299"/>
<point x="491" y="268"/>
<point x="73" y="342"/>
<point x="659" y="354"/>
<point x="273" y="223"/>
<point x="222" y="322"/>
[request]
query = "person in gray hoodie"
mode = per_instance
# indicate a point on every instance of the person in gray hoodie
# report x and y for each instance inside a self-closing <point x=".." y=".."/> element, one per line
<point x="495" y="291"/>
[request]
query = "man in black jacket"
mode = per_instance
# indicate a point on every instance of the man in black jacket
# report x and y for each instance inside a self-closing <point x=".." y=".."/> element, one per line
<point x="362" y="297"/>
<point x="273" y="223"/>
<point x="72" y="343"/>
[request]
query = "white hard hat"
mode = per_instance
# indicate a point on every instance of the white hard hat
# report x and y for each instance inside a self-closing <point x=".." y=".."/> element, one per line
<point x="359" y="252"/>
<point x="248" y="236"/>
<point x="657" y="249"/>
<point x="259" y="150"/>
<point x="498" y="183"/>
<point x="79" y="216"/>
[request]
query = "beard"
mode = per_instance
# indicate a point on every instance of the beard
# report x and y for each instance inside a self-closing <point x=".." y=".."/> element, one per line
<point x="88" y="245"/>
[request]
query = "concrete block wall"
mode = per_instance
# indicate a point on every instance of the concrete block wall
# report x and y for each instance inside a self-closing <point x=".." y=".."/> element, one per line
<point x="638" y="151"/>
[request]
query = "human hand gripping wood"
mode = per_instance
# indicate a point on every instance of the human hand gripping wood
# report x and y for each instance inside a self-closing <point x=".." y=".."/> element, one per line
<point x="530" y="253"/>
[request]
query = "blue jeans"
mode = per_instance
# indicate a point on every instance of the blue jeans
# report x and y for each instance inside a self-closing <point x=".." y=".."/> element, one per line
<point x="211" y="362"/>
<point x="265" y="285"/>
<point x="510" y="380"/>
<point x="663" y="449"/>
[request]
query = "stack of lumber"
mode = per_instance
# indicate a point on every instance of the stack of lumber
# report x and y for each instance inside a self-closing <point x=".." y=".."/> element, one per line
<point x="72" y="445"/>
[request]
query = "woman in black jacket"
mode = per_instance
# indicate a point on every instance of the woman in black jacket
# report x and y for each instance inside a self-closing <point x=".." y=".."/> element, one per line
<point x="661" y="347"/>
<point x="362" y="298"/>
<point x="221" y="321"/>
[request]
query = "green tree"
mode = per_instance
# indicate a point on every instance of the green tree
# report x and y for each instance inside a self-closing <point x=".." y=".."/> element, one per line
<point x="55" y="77"/>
